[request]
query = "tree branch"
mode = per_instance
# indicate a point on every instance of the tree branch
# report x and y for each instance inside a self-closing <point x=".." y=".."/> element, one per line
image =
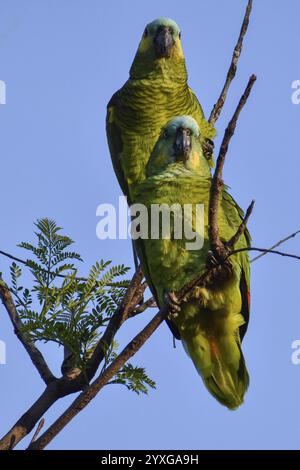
<point x="215" y="113"/>
<point x="265" y="251"/>
<point x="217" y="183"/>
<point x="35" y="355"/>
<point x="131" y="299"/>
<point x="90" y="392"/>
<point x="59" y="388"/>
<point x="73" y="381"/>
<point x="29" y="419"/>
<point x="280" y="242"/>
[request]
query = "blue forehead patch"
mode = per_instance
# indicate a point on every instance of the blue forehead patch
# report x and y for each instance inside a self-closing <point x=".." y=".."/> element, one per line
<point x="187" y="122"/>
<point x="152" y="27"/>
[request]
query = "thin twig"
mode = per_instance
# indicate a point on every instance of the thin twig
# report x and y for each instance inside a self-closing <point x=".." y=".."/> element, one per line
<point x="150" y="303"/>
<point x="35" y="355"/>
<point x="275" y="246"/>
<point x="264" y="250"/>
<point x="241" y="228"/>
<point x="215" y="113"/>
<point x="38" y="430"/>
<point x="14" y="258"/>
<point x="217" y="183"/>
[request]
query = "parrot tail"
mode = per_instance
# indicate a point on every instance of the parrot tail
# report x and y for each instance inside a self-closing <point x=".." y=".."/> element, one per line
<point x="221" y="364"/>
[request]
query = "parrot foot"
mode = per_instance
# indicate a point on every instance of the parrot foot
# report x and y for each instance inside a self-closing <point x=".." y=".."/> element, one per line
<point x="173" y="304"/>
<point x="208" y="148"/>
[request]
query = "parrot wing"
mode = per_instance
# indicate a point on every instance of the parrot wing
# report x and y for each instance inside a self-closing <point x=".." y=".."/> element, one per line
<point x="114" y="138"/>
<point x="140" y="248"/>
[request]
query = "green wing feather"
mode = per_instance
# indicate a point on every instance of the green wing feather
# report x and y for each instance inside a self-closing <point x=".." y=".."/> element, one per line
<point x="115" y="143"/>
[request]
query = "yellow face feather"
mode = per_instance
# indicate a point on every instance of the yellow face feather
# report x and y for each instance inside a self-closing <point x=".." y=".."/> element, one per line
<point x="193" y="163"/>
<point x="145" y="45"/>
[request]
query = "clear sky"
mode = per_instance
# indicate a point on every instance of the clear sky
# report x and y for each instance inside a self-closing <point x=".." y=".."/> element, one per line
<point x="61" y="61"/>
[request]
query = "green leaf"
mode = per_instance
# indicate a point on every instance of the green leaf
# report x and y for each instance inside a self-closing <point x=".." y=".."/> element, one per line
<point x="134" y="379"/>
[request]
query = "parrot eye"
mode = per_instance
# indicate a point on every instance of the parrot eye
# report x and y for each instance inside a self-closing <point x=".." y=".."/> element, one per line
<point x="145" y="33"/>
<point x="165" y="134"/>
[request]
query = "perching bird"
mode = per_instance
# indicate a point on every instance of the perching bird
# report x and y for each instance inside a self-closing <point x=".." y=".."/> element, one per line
<point x="213" y="319"/>
<point x="155" y="92"/>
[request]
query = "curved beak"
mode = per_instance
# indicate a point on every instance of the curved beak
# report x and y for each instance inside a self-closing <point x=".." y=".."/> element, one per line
<point x="182" y="144"/>
<point x="163" y="42"/>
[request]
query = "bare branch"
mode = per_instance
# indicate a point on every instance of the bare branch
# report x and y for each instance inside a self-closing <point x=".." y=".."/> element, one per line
<point x="265" y="251"/>
<point x="217" y="183"/>
<point x="215" y="113"/>
<point x="35" y="355"/>
<point x="241" y="228"/>
<point x="57" y="389"/>
<point x="275" y="246"/>
<point x="150" y="303"/>
<point x="29" y="419"/>
<point x="14" y="258"/>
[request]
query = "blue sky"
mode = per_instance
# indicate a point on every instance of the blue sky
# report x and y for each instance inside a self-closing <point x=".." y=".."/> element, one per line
<point x="61" y="61"/>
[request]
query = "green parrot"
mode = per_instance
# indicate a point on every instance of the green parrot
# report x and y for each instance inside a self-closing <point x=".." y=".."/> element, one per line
<point x="213" y="319"/>
<point x="156" y="91"/>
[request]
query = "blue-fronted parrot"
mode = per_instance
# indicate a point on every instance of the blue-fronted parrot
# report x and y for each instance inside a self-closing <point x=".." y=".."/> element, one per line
<point x="156" y="91"/>
<point x="213" y="319"/>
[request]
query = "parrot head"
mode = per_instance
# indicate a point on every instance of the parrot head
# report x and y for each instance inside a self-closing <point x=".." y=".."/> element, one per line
<point x="160" y="43"/>
<point x="180" y="144"/>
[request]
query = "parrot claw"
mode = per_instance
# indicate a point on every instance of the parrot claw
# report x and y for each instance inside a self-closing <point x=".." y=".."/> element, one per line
<point x="173" y="304"/>
<point x="208" y="148"/>
<point x="211" y="260"/>
<point x="222" y="266"/>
